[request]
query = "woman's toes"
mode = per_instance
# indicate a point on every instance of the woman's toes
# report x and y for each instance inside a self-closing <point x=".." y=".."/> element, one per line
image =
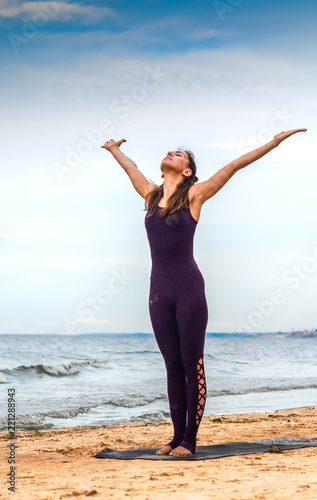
<point x="164" y="451"/>
<point x="180" y="452"/>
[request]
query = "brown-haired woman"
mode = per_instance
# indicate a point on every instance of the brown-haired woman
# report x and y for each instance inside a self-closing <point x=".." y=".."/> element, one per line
<point x="177" y="302"/>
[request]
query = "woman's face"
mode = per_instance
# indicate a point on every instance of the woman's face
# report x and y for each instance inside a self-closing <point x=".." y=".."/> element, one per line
<point x="177" y="160"/>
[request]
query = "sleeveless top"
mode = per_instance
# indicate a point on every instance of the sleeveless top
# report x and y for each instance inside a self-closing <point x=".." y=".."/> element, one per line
<point x="171" y="244"/>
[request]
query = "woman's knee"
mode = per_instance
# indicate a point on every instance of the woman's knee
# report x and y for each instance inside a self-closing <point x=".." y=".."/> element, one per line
<point x="174" y="366"/>
<point x="193" y="362"/>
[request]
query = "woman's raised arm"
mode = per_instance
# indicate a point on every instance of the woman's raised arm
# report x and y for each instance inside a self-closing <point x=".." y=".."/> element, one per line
<point x="202" y="191"/>
<point x="139" y="181"/>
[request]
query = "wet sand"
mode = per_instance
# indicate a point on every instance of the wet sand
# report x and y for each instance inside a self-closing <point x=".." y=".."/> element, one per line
<point x="60" y="463"/>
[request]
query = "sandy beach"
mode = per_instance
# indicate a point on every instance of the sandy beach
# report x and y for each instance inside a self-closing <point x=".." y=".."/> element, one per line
<point x="60" y="463"/>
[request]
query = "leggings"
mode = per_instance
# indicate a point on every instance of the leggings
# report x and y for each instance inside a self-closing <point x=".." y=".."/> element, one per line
<point x="179" y="325"/>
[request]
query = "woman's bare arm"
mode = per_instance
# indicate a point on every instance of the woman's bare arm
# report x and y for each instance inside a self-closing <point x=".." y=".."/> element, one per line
<point x="202" y="191"/>
<point x="139" y="181"/>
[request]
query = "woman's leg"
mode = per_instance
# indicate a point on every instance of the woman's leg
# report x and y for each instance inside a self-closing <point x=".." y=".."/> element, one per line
<point x="167" y="336"/>
<point x="192" y="318"/>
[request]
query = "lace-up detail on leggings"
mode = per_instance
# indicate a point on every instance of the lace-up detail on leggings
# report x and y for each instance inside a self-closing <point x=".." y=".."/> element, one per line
<point x="201" y="391"/>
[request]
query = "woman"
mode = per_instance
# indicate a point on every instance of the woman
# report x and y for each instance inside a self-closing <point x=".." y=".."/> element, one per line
<point x="177" y="302"/>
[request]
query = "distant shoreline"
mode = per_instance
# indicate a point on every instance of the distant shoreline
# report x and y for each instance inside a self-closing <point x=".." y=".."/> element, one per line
<point x="296" y="334"/>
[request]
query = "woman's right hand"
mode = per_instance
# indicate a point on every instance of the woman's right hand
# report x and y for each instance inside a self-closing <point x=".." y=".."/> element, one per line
<point x="112" y="144"/>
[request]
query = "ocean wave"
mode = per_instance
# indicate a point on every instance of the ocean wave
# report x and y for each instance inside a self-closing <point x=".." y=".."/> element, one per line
<point x="222" y="360"/>
<point x="153" y="417"/>
<point x="37" y="420"/>
<point x="61" y="370"/>
<point x="153" y="413"/>
<point x="135" y="400"/>
<point x="132" y="351"/>
<point x="250" y="390"/>
<point x="34" y="421"/>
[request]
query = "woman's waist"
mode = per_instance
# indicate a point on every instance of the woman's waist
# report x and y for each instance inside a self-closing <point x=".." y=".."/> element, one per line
<point x="171" y="271"/>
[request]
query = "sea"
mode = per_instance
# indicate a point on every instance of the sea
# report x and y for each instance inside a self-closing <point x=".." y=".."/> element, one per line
<point x="109" y="379"/>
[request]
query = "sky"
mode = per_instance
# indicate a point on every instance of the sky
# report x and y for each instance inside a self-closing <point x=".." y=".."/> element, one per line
<point x="219" y="77"/>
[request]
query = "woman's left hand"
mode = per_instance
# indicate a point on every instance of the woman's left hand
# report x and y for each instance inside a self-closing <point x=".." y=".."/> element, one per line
<point x="284" y="135"/>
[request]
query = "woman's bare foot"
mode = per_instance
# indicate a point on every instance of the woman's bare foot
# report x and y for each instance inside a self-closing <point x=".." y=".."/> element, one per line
<point x="181" y="452"/>
<point x="164" y="451"/>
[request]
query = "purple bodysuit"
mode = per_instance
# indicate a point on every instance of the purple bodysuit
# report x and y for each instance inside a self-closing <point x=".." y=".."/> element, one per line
<point x="179" y="315"/>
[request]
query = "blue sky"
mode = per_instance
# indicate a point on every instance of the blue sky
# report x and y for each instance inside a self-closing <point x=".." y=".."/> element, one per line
<point x="225" y="77"/>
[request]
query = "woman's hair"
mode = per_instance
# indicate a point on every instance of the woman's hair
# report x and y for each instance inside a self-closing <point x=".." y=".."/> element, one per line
<point x="179" y="197"/>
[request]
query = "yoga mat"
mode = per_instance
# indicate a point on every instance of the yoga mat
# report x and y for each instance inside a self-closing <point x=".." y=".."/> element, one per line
<point x="213" y="451"/>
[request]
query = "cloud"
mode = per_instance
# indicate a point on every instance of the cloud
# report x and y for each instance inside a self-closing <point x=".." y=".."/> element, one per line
<point x="56" y="11"/>
<point x="206" y="34"/>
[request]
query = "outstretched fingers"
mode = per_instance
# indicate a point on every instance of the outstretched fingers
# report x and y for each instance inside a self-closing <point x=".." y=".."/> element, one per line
<point x="284" y="135"/>
<point x="297" y="130"/>
<point x="112" y="143"/>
